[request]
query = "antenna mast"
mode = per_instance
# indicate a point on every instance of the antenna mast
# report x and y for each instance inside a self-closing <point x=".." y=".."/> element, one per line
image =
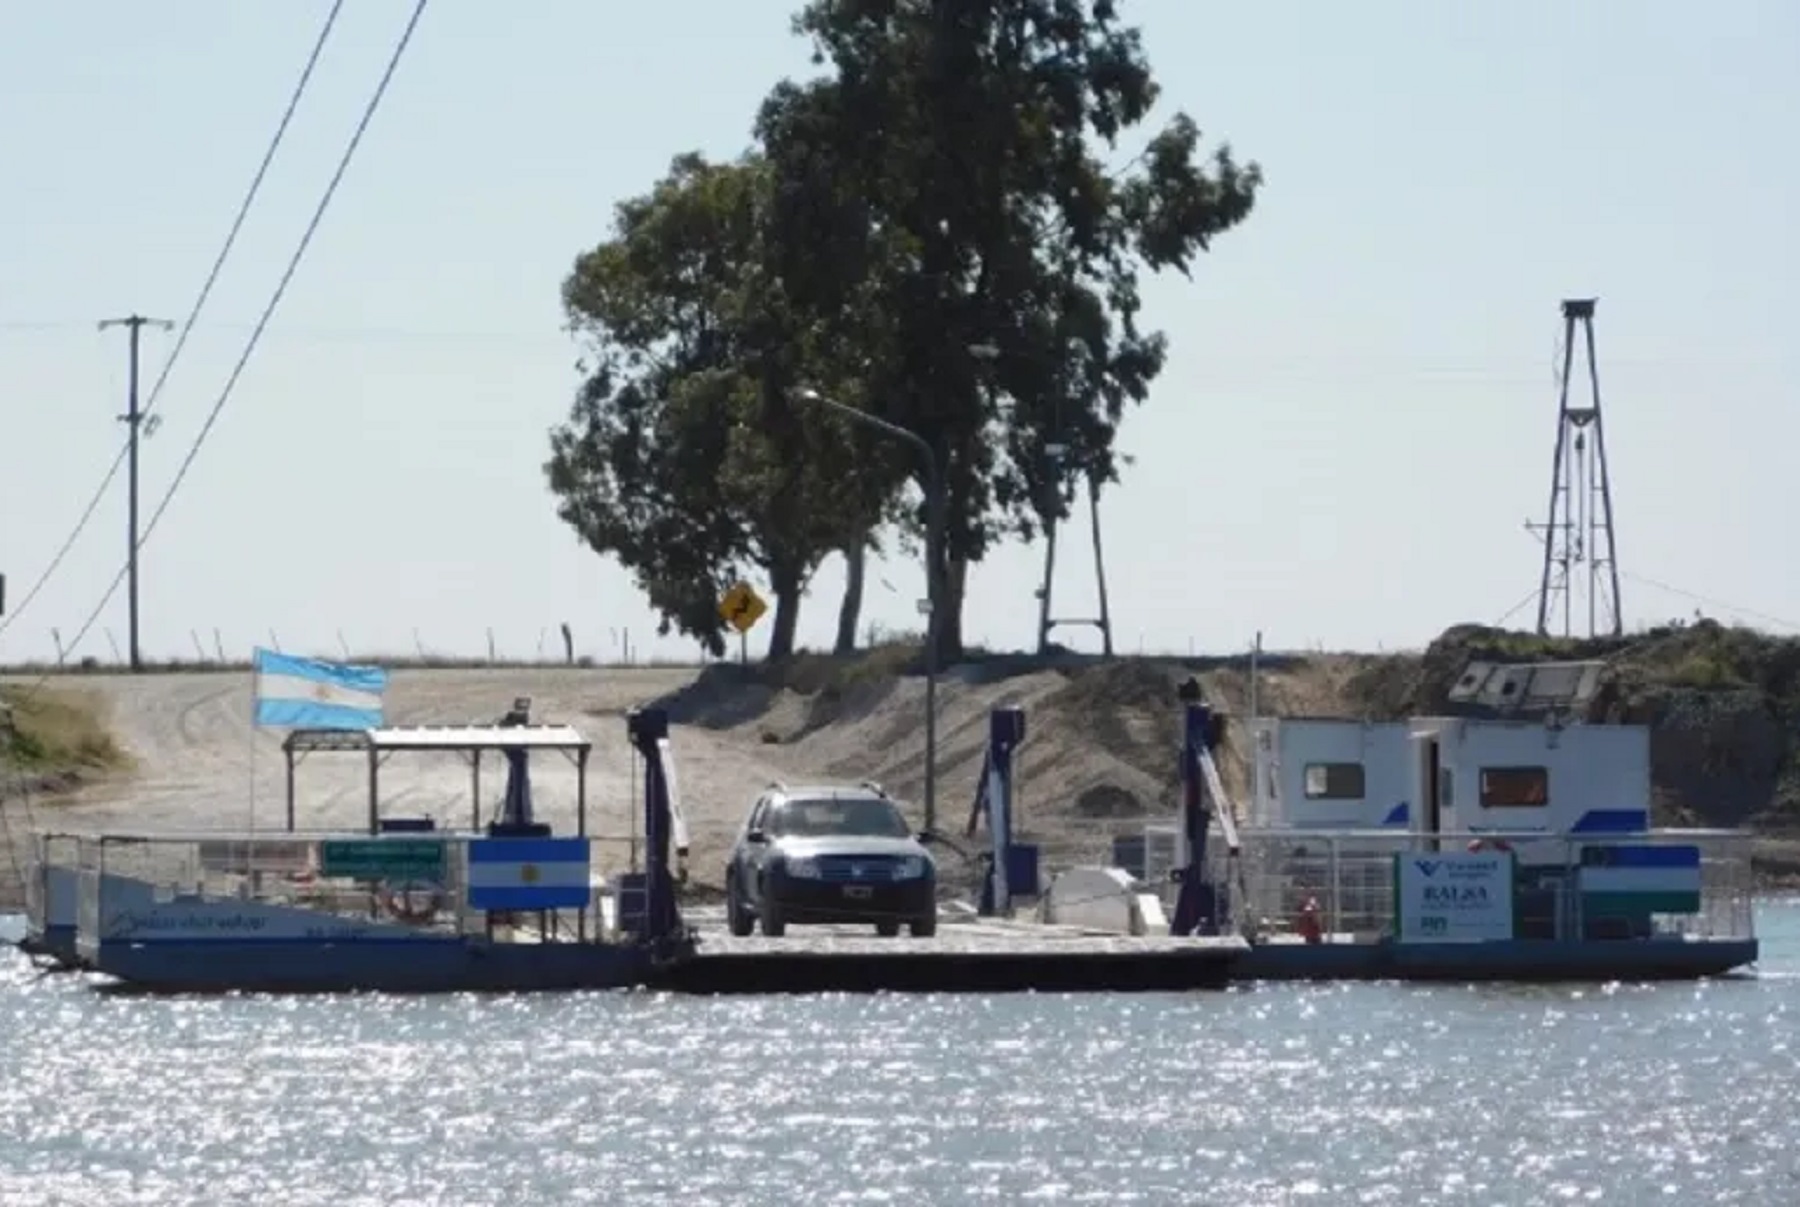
<point x="1578" y="534"/>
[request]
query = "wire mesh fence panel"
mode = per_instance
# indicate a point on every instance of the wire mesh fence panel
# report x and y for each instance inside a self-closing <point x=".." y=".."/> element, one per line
<point x="419" y="881"/>
<point x="1680" y="883"/>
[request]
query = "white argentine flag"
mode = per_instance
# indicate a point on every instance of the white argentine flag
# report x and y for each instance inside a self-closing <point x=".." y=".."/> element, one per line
<point x="305" y="693"/>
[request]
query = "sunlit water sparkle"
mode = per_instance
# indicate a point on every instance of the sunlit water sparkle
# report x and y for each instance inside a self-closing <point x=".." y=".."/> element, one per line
<point x="1623" y="1094"/>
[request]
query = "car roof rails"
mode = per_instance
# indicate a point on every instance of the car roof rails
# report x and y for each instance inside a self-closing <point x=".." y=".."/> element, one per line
<point x="777" y="786"/>
<point x="874" y="787"/>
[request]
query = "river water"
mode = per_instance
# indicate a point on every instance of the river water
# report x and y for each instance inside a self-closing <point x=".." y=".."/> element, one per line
<point x="1684" y="1094"/>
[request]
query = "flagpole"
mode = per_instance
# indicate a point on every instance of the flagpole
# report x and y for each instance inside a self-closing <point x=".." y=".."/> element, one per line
<point x="250" y="848"/>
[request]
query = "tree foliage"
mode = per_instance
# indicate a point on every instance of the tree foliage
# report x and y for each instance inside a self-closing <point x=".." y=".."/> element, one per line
<point x="933" y="231"/>
<point x="940" y="190"/>
<point x="687" y="454"/>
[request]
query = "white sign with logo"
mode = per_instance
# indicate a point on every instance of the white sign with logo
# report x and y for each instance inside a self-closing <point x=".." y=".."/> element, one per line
<point x="1453" y="898"/>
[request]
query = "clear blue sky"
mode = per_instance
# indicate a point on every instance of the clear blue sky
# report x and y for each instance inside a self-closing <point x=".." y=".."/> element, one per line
<point x="1354" y="424"/>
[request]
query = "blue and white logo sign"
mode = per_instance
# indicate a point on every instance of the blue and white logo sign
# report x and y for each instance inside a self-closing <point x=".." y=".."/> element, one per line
<point x="1453" y="898"/>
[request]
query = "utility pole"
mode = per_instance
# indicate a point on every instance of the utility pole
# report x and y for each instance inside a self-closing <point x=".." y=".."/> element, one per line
<point x="133" y="419"/>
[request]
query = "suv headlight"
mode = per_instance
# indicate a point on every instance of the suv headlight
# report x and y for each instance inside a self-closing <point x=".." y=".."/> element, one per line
<point x="802" y="867"/>
<point x="910" y="868"/>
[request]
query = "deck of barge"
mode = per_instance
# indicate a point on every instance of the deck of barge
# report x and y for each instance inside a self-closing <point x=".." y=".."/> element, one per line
<point x="974" y="955"/>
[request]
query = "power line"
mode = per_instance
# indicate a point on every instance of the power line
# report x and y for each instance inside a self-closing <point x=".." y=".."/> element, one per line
<point x="1515" y="609"/>
<point x="1722" y="605"/>
<point x="281" y="286"/>
<point x="212" y="277"/>
<point x="354" y="334"/>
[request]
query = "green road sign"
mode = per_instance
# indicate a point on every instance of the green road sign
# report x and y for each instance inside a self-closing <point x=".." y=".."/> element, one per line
<point x="382" y="859"/>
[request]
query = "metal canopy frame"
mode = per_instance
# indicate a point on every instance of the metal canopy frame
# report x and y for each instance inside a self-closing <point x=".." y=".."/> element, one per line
<point x="469" y="741"/>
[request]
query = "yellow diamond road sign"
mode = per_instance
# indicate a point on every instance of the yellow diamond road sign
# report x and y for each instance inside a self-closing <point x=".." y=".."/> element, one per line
<point x="742" y="607"/>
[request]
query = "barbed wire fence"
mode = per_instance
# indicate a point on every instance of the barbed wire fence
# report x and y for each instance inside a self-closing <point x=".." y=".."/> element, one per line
<point x="557" y="645"/>
<point x="215" y="648"/>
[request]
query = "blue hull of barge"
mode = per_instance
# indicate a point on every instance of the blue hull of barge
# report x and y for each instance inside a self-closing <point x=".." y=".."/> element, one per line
<point x="55" y="943"/>
<point x="1516" y="960"/>
<point x="398" y="966"/>
<point x="447" y="966"/>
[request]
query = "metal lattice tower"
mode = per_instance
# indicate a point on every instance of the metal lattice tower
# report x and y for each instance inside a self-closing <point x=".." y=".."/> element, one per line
<point x="1579" y="542"/>
<point x="1047" y="622"/>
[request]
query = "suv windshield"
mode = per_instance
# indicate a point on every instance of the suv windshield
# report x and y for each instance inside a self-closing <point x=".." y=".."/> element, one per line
<point x="862" y="817"/>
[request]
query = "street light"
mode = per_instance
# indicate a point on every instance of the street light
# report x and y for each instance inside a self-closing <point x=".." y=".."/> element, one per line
<point x="934" y="525"/>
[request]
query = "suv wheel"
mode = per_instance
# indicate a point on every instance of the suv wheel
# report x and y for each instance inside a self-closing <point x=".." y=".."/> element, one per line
<point x="888" y="928"/>
<point x="924" y="928"/>
<point x="773" y="924"/>
<point x="738" y="919"/>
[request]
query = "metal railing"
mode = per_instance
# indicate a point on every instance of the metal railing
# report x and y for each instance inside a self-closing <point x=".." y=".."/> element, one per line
<point x="1349" y="878"/>
<point x="121" y="877"/>
<point x="51" y="879"/>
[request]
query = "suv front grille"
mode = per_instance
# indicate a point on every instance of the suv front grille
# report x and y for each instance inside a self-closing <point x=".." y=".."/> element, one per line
<point x="856" y="867"/>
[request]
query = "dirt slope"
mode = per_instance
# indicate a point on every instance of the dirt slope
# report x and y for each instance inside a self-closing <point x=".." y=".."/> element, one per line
<point x="1101" y="747"/>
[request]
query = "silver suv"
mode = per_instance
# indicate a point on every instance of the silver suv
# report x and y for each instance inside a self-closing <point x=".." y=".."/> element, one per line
<point x="829" y="854"/>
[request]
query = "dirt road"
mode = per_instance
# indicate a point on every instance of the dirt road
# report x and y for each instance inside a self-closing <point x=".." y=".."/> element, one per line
<point x="199" y="765"/>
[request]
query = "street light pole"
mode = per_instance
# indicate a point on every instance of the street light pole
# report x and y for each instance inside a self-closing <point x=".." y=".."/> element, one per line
<point x="934" y="526"/>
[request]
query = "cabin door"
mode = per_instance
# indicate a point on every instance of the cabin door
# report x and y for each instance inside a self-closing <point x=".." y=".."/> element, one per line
<point x="1431" y="801"/>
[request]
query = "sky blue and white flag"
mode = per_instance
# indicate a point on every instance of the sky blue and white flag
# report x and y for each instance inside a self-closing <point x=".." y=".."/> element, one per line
<point x="306" y="693"/>
<point x="528" y="873"/>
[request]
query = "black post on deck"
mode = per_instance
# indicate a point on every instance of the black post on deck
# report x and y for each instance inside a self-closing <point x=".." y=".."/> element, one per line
<point x="516" y="809"/>
<point x="288" y="749"/>
<point x="1197" y="904"/>
<point x="475" y="791"/>
<point x="374" y="789"/>
<point x="581" y="761"/>
<point x="648" y="727"/>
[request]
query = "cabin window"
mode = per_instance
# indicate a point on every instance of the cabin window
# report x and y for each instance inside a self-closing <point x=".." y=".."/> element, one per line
<point x="1514" y="787"/>
<point x="1334" y="781"/>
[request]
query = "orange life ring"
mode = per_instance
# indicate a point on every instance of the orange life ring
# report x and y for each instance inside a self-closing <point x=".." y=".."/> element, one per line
<point x="415" y="901"/>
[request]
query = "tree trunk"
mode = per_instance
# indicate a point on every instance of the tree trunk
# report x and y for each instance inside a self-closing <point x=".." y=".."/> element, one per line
<point x="950" y="602"/>
<point x="786" y="585"/>
<point x="856" y="556"/>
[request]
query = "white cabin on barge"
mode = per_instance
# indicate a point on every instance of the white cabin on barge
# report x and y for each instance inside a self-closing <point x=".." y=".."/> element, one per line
<point x="1451" y="775"/>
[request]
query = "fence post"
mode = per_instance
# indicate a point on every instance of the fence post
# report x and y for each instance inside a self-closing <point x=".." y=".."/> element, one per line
<point x="1337" y="888"/>
<point x="1569" y="921"/>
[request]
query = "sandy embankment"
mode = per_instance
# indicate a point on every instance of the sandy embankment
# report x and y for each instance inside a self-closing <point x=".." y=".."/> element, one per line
<point x="192" y="746"/>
